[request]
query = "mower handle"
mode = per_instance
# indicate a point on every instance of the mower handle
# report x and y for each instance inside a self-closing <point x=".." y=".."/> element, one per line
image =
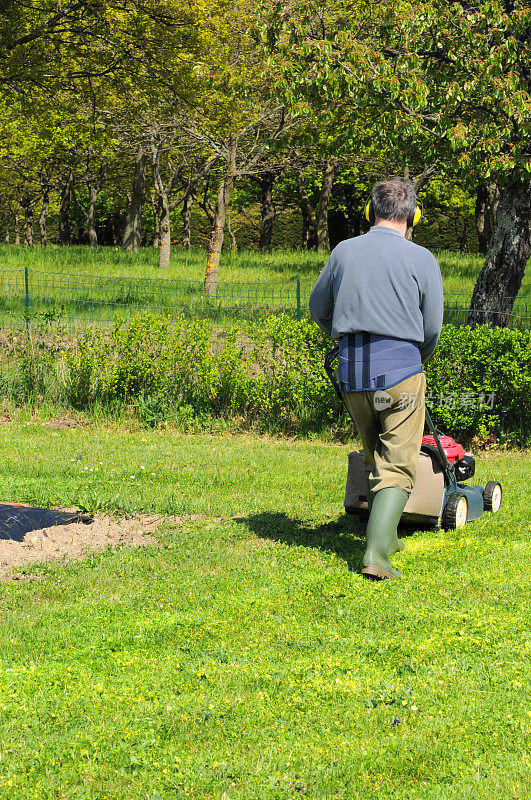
<point x="442" y="455"/>
<point x="330" y="357"/>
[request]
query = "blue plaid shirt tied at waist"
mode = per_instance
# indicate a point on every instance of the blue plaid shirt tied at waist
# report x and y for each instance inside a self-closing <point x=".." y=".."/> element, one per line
<point x="368" y="362"/>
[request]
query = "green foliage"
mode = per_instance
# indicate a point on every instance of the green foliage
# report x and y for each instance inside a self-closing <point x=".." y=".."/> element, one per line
<point x="143" y="357"/>
<point x="471" y="363"/>
<point x="443" y="81"/>
<point x="269" y="375"/>
<point x="449" y="232"/>
<point x="151" y="410"/>
<point x="34" y="376"/>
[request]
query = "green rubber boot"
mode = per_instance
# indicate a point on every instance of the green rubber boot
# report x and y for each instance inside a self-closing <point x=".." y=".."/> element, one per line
<point x="387" y="507"/>
<point x="397" y="545"/>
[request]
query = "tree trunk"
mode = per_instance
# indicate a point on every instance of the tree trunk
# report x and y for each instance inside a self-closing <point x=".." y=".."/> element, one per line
<point x="215" y="242"/>
<point x="17" y="233"/>
<point x="306" y="230"/>
<point x="186" y="214"/>
<point x="28" y="223"/>
<point x="487" y="201"/>
<point x="155" y="205"/>
<point x="354" y="215"/>
<point x="64" y="208"/>
<point x="234" y="243"/>
<point x="268" y="210"/>
<point x="165" y="234"/>
<point x="309" y="234"/>
<point x="501" y="277"/>
<point x="91" y="218"/>
<point x="323" y="239"/>
<point x="43" y="218"/>
<point x="94" y="191"/>
<point x="463" y="236"/>
<point x="481" y="214"/>
<point x="132" y="236"/>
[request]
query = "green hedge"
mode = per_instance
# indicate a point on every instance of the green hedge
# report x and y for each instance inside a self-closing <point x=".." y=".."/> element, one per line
<point x="268" y="375"/>
<point x="489" y="363"/>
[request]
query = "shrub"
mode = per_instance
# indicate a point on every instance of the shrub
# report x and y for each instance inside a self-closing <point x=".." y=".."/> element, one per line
<point x="277" y="379"/>
<point x="471" y="364"/>
<point x="33" y="376"/>
<point x="269" y="375"/>
<point x="274" y="376"/>
<point x="145" y="356"/>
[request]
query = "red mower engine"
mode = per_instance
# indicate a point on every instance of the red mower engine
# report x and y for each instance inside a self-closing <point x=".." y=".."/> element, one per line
<point x="464" y="465"/>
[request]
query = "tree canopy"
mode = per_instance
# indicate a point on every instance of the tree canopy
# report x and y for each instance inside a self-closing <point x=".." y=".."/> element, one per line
<point x="455" y="75"/>
<point x="448" y="80"/>
<point x="302" y="95"/>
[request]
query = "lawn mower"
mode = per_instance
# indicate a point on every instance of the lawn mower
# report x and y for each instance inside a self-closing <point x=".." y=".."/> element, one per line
<point x="439" y="499"/>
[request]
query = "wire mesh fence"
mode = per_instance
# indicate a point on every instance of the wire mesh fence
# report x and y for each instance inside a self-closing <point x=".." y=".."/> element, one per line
<point x="457" y="307"/>
<point x="81" y="299"/>
<point x="28" y="295"/>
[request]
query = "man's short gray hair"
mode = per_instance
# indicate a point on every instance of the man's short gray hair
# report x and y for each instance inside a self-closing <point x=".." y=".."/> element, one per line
<point x="394" y="199"/>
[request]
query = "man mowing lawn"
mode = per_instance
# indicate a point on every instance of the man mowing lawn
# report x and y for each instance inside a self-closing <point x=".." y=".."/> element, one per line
<point x="381" y="297"/>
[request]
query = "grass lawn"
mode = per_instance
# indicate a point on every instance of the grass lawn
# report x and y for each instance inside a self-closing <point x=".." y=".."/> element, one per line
<point x="77" y="286"/>
<point x="459" y="270"/>
<point x="246" y="658"/>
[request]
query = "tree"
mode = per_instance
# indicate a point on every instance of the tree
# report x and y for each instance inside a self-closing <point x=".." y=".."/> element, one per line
<point x="92" y="179"/>
<point x="132" y="235"/>
<point x="266" y="181"/>
<point x="315" y="221"/>
<point x="112" y="58"/>
<point x="447" y="80"/>
<point x="29" y="155"/>
<point x="448" y="200"/>
<point x="242" y="153"/>
<point x="66" y="183"/>
<point x="487" y="201"/>
<point x="47" y="45"/>
<point x="176" y="189"/>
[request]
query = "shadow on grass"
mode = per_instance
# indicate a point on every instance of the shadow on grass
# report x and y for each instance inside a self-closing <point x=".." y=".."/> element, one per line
<point x="345" y="537"/>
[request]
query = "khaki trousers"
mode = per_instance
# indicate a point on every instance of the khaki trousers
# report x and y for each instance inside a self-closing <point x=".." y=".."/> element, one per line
<point x="390" y="423"/>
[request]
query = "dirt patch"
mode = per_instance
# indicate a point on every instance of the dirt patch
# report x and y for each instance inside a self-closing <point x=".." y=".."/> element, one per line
<point x="37" y="535"/>
<point x="64" y="423"/>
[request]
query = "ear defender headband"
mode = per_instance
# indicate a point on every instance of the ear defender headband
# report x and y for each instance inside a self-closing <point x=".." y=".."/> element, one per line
<point x="413" y="218"/>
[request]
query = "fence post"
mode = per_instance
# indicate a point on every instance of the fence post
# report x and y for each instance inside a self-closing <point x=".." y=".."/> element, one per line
<point x="298" y="299"/>
<point x="26" y="284"/>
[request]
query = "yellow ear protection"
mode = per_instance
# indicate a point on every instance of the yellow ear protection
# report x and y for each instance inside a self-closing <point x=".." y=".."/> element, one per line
<point x="413" y="219"/>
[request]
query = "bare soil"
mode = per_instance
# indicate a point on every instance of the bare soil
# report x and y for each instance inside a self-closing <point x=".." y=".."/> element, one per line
<point x="31" y="536"/>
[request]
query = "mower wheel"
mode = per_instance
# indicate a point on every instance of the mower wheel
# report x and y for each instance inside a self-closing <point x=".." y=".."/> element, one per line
<point x="455" y="512"/>
<point x="492" y="496"/>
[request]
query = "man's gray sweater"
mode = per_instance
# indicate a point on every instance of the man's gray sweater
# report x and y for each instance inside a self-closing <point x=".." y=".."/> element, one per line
<point x="383" y="284"/>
